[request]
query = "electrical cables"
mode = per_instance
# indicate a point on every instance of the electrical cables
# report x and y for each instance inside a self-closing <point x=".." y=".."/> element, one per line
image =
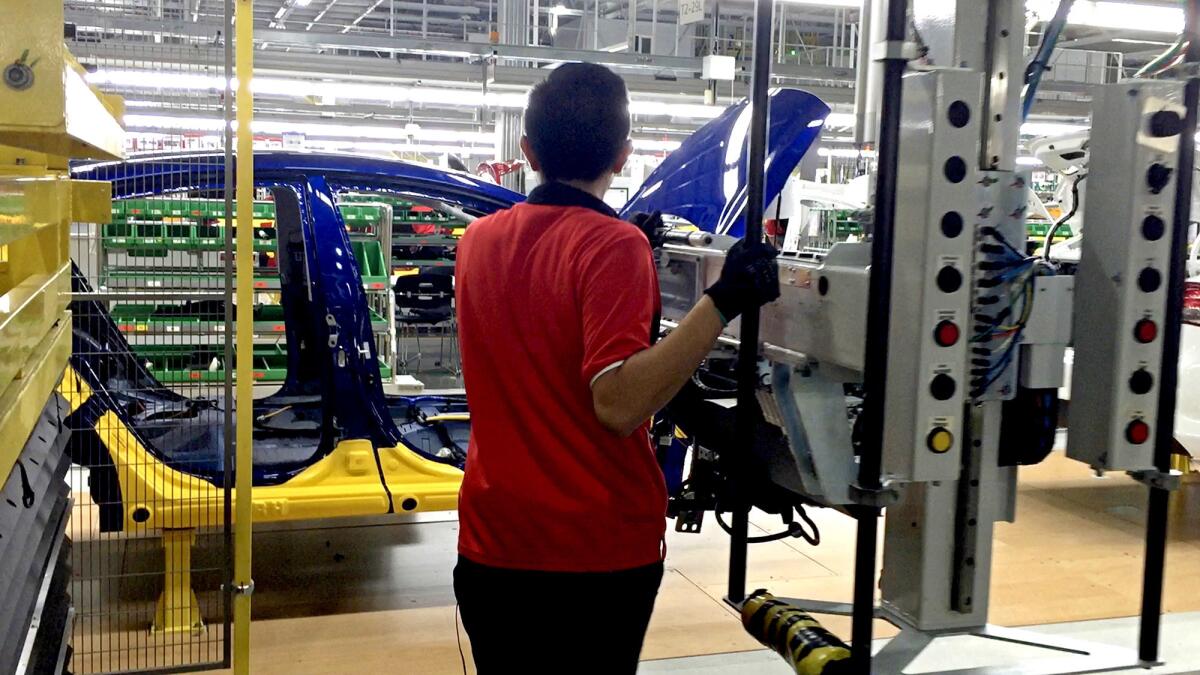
<point x="1041" y="60"/>
<point x="1070" y="214"/>
<point x="1007" y="283"/>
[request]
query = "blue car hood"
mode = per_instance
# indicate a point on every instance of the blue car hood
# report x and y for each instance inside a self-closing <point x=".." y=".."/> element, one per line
<point x="704" y="181"/>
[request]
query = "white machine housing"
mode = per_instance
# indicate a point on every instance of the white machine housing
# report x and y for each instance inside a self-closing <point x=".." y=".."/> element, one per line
<point x="1122" y="279"/>
<point x="934" y="251"/>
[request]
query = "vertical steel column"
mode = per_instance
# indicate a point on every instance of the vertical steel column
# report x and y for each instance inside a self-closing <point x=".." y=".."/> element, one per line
<point x="878" y="312"/>
<point x="245" y="337"/>
<point x="1156" y="515"/>
<point x="228" y="418"/>
<point x="747" y="369"/>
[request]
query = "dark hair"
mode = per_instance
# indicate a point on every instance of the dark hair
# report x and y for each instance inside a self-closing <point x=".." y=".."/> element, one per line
<point x="578" y="121"/>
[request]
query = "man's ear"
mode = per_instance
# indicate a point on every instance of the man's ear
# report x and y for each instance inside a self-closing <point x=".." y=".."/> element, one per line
<point x="530" y="156"/>
<point x="622" y="157"/>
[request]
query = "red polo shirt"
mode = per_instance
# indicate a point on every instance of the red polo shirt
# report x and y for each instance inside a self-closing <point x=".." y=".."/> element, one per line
<point x="552" y="293"/>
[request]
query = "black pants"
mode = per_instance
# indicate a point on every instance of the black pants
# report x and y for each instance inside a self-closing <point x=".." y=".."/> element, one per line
<point x="533" y="622"/>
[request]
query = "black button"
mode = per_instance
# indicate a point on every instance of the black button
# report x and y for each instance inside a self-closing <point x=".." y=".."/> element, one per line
<point x="959" y="114"/>
<point x="1149" y="279"/>
<point x="1166" y="123"/>
<point x="949" y="279"/>
<point x="1153" y="227"/>
<point x="942" y="386"/>
<point x="955" y="169"/>
<point x="952" y="224"/>
<point x="1157" y="177"/>
<point x="1141" y="381"/>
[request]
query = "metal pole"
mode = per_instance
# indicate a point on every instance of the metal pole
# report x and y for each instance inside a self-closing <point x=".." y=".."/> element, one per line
<point x="245" y="337"/>
<point x="879" y="303"/>
<point x="228" y="431"/>
<point x="747" y="369"/>
<point x="860" y="73"/>
<point x="1156" y="516"/>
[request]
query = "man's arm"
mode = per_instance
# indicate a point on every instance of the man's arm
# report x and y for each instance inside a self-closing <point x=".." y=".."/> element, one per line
<point x="629" y="394"/>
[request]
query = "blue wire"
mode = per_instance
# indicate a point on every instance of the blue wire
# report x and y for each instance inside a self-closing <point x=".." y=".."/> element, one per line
<point x="1042" y="59"/>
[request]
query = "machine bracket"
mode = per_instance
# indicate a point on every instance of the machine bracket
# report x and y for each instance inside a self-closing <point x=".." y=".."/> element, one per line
<point x="1162" y="480"/>
<point x="891" y="50"/>
<point x="242" y="589"/>
<point x="885" y="496"/>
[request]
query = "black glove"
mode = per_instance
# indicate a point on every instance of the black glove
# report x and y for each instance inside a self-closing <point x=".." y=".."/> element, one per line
<point x="651" y="224"/>
<point x="750" y="278"/>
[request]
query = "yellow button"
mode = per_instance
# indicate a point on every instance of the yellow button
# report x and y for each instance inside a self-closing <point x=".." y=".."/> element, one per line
<point x="940" y="440"/>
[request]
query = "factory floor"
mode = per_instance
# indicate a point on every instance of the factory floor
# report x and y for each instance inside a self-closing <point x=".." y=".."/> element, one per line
<point x="382" y="592"/>
<point x="375" y="596"/>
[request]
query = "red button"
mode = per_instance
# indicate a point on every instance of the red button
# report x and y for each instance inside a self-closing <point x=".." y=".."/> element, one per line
<point x="1137" y="432"/>
<point x="946" y="333"/>
<point x="1145" y="331"/>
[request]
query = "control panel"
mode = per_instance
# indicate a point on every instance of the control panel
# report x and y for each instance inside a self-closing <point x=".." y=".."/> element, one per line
<point x="930" y="324"/>
<point x="1120" y="288"/>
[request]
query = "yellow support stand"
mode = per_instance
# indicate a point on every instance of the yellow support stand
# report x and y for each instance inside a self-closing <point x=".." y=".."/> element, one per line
<point x="178" y="611"/>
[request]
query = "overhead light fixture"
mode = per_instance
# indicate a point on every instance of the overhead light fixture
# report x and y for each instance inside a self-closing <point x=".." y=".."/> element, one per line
<point x="655" y="145"/>
<point x="1050" y="128"/>
<point x="853" y="4"/>
<point x="1029" y="161"/>
<point x="845" y="153"/>
<point x="685" y="110"/>
<point x="1118" y="15"/>
<point x="314" y="129"/>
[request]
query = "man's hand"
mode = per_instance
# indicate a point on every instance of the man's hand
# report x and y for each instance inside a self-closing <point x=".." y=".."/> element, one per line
<point x="651" y="224"/>
<point x="750" y="278"/>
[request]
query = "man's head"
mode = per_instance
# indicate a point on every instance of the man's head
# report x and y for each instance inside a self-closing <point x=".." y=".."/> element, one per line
<point x="577" y="124"/>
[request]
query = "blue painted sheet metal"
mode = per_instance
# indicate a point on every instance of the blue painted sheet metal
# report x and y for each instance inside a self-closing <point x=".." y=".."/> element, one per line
<point x="158" y="174"/>
<point x="704" y="181"/>
<point x="354" y="393"/>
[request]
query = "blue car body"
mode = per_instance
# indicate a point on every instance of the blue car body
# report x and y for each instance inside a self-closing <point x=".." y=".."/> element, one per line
<point x="332" y="360"/>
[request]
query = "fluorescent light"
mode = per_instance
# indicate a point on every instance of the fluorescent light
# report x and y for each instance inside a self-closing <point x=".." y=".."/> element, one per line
<point x="317" y="129"/>
<point x="690" y="110"/>
<point x="1050" y="128"/>
<point x="559" y="10"/>
<point x="856" y="4"/>
<point x="1129" y="41"/>
<point x="848" y="153"/>
<point x="836" y="119"/>
<point x="1029" y="161"/>
<point x="655" y="145"/>
<point x="303" y="3"/>
<point x="1119" y="15"/>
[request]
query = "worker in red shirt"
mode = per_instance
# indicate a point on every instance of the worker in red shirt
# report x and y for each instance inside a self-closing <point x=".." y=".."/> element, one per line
<point x="562" y="508"/>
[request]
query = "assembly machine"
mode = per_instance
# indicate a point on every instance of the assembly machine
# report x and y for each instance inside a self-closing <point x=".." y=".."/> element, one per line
<point x="918" y="370"/>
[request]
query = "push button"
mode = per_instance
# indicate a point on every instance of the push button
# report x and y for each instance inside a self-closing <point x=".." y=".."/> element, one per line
<point x="940" y="440"/>
<point x="1165" y="123"/>
<point x="949" y="279"/>
<point x="942" y="386"/>
<point x="1137" y="432"/>
<point x="1153" y="227"/>
<point x="1149" y="279"/>
<point x="1157" y="177"/>
<point x="1145" y="331"/>
<point x="1141" y="381"/>
<point x="946" y="333"/>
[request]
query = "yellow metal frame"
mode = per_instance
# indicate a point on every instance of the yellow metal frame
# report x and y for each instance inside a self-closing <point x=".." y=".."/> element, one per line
<point x="243" y="505"/>
<point x="58" y="113"/>
<point x="37" y="207"/>
<point x="344" y="483"/>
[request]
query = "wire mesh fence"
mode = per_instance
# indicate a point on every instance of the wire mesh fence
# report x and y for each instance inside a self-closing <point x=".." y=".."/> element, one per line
<point x="150" y="380"/>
